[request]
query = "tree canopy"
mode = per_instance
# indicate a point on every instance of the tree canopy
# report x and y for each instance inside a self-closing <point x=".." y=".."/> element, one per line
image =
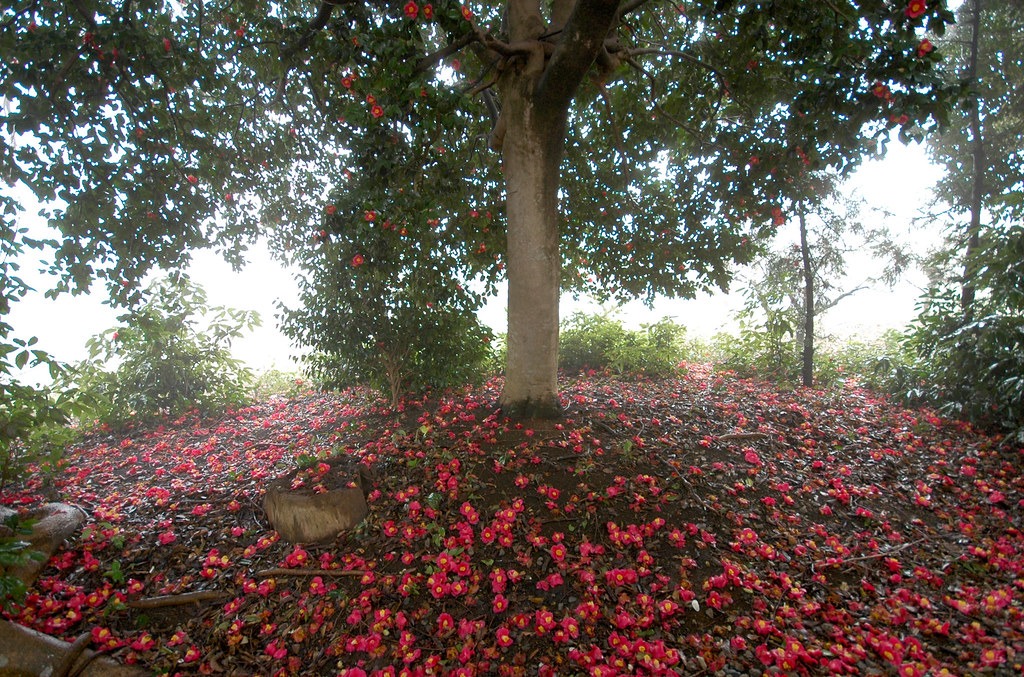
<point x="623" y="148"/>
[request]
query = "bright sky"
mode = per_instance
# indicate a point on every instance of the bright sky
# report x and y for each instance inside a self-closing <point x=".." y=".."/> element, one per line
<point x="900" y="183"/>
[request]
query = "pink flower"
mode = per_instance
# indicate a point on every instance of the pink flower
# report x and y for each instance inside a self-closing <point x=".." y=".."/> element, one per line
<point x="358" y="260"/>
<point x="916" y="8"/>
<point x="445" y="623"/>
<point x="166" y="538"/>
<point x="503" y="637"/>
<point x="411" y="9"/>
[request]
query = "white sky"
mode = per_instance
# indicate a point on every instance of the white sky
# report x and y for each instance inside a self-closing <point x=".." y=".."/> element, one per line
<point x="900" y="183"/>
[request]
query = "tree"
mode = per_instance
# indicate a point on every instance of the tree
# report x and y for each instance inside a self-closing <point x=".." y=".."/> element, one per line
<point x="793" y="285"/>
<point x="981" y="152"/>
<point x="628" y="147"/>
<point x="970" y="325"/>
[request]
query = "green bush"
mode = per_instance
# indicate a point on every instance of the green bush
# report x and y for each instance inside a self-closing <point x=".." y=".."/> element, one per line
<point x="31" y="417"/>
<point x="969" y="361"/>
<point x="597" y="342"/>
<point x="169" y="356"/>
<point x="883" y="365"/>
<point x="766" y="351"/>
<point x="280" y="383"/>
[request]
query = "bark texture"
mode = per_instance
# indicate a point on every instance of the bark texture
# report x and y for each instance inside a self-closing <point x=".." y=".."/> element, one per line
<point x="536" y="89"/>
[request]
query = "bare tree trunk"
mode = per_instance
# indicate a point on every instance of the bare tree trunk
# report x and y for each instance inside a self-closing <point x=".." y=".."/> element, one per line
<point x="532" y="153"/>
<point x="807" y="362"/>
<point x="967" y="291"/>
<point x="536" y="91"/>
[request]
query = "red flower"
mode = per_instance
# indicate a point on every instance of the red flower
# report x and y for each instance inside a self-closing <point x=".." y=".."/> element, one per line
<point x="411" y="9"/>
<point x="358" y="260"/>
<point x="192" y="179"/>
<point x="916" y="8"/>
<point x="376" y="111"/>
<point x="331" y="209"/>
<point x="925" y="47"/>
<point x="881" y="91"/>
<point x="467" y="13"/>
<point x="167" y="45"/>
<point x="428" y="12"/>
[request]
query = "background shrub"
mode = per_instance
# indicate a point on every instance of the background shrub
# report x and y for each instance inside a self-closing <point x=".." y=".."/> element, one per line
<point x="600" y="343"/>
<point x="170" y="355"/>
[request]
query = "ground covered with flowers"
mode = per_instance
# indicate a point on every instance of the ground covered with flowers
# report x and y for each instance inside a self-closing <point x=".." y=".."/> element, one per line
<point x="699" y="525"/>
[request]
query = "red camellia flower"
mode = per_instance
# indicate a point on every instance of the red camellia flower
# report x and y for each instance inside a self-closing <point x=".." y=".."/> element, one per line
<point x="467" y="13"/>
<point x="411" y="9"/>
<point x="925" y="47"/>
<point x="331" y="209"/>
<point x="881" y="91"/>
<point x="376" y="111"/>
<point x="428" y="12"/>
<point x="916" y="8"/>
<point x="192" y="179"/>
<point x="358" y="260"/>
<point x="167" y="45"/>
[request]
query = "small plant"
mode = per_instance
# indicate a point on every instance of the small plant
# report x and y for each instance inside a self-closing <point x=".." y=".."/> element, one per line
<point x="14" y="553"/>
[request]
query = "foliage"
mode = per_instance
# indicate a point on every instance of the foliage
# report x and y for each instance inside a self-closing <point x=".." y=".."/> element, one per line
<point x="794" y="283"/>
<point x="968" y="335"/>
<point x="14" y="553"/>
<point x="170" y="355"/>
<point x="765" y="350"/>
<point x="993" y="91"/>
<point x="274" y="382"/>
<point x="974" y="369"/>
<point x="598" y="342"/>
<point x="155" y="132"/>
<point x="31" y="417"/>
<point x="398" y="337"/>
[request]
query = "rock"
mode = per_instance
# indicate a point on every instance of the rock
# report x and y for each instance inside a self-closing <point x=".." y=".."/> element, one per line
<point x="302" y="516"/>
<point x="54" y="524"/>
<point x="27" y="653"/>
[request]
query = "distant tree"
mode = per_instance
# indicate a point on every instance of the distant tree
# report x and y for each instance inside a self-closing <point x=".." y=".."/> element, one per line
<point x="982" y="152"/>
<point x="621" y="146"/>
<point x="794" y="284"/>
<point x="970" y="328"/>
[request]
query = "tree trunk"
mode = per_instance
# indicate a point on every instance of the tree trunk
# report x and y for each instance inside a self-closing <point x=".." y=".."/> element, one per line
<point x="531" y="155"/>
<point x="967" y="291"/>
<point x="537" y="88"/>
<point x="807" y="362"/>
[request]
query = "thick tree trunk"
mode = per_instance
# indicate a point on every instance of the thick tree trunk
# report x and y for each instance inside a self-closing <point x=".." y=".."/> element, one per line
<point x="537" y="88"/>
<point x="807" y="362"/>
<point x="532" y="152"/>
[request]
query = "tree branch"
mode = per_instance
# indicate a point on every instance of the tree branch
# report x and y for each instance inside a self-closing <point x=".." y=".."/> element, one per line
<point x="676" y="53"/>
<point x="430" y="59"/>
<point x="631" y="6"/>
<point x="579" y="44"/>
